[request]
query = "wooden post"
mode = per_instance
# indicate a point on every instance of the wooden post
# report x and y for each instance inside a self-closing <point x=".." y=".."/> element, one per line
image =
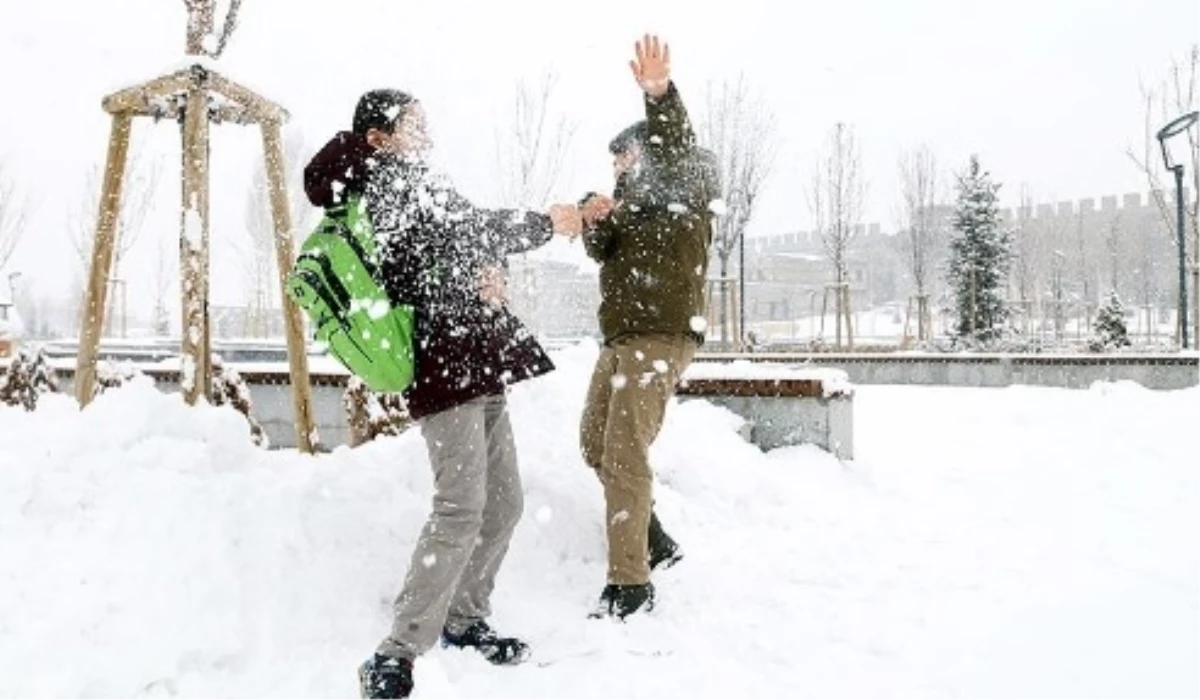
<point x="838" y="300"/>
<point x="905" y="337"/>
<point x="926" y="319"/>
<point x="824" y="310"/>
<point x="199" y="26"/>
<point x="102" y="256"/>
<point x="297" y="353"/>
<point x="849" y="321"/>
<point x="197" y="370"/>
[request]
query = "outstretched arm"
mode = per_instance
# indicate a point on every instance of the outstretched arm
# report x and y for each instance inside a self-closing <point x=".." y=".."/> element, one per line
<point x="472" y="232"/>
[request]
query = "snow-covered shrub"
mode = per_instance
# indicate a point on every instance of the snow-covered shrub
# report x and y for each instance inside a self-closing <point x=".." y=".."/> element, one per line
<point x="27" y="378"/>
<point x="113" y="375"/>
<point x="372" y="414"/>
<point x="229" y="389"/>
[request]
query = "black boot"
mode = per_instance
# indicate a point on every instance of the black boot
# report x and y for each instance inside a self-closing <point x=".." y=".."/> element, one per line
<point x="385" y="677"/>
<point x="496" y="649"/>
<point x="664" y="551"/>
<point x="622" y="601"/>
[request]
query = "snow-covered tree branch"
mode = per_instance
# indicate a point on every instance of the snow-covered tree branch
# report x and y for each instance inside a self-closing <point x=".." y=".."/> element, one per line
<point x="740" y="132"/>
<point x="532" y="145"/>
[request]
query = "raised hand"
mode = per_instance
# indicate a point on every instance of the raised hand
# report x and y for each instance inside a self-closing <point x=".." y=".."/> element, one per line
<point x="652" y="67"/>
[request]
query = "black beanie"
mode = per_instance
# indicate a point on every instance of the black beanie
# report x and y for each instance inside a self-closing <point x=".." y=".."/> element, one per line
<point x="636" y="133"/>
<point x="380" y="109"/>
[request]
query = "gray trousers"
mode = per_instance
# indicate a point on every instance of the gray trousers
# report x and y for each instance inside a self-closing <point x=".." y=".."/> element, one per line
<point x="477" y="503"/>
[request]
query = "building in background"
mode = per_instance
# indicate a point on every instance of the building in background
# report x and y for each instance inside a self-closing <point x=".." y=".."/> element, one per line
<point x="556" y="299"/>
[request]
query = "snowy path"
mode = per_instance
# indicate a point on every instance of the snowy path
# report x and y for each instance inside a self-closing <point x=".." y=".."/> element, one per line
<point x="986" y="543"/>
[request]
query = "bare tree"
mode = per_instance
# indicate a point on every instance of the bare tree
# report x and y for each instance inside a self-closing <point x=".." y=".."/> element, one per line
<point x="201" y="37"/>
<point x="921" y="223"/>
<point x="740" y="132"/>
<point x="29" y="304"/>
<point x="142" y="181"/>
<point x="256" y="248"/>
<point x="1082" y="259"/>
<point x="1148" y="274"/>
<point x="836" y="199"/>
<point x="13" y="217"/>
<point x="1113" y="250"/>
<point x="531" y="148"/>
<point x="1026" y="255"/>
<point x="165" y="269"/>
<point x="531" y="154"/>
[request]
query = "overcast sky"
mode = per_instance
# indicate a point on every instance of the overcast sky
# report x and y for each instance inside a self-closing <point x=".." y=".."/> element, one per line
<point x="1046" y="92"/>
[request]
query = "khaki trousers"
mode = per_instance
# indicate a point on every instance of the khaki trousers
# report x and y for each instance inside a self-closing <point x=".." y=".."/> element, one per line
<point x="634" y="379"/>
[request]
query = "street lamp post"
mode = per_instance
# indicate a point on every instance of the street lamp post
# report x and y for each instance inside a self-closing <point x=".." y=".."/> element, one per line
<point x="1175" y="128"/>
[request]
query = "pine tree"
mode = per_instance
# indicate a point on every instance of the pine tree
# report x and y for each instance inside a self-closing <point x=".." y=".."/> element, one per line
<point x="1110" y="325"/>
<point x="980" y="251"/>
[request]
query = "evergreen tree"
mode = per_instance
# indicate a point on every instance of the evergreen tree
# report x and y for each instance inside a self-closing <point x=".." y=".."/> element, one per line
<point x="980" y="251"/>
<point x="1110" y="325"/>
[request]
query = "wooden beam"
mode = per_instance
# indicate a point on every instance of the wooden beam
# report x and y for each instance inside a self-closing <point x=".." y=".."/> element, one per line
<point x="139" y="97"/>
<point x="102" y="257"/>
<point x="260" y="107"/>
<point x="222" y="113"/>
<point x="193" y="242"/>
<point x="297" y="353"/>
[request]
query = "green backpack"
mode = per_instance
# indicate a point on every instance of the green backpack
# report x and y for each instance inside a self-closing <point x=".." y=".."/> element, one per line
<point x="333" y="280"/>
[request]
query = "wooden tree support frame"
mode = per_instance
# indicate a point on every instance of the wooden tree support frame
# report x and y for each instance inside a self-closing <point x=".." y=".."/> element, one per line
<point x="721" y="298"/>
<point x="197" y="96"/>
<point x="918" y="308"/>
<point x="842" y="313"/>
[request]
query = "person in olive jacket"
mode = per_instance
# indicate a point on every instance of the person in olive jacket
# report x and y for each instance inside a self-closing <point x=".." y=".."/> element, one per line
<point x="651" y="239"/>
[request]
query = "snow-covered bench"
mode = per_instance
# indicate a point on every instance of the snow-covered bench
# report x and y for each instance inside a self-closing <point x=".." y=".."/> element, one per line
<point x="782" y="405"/>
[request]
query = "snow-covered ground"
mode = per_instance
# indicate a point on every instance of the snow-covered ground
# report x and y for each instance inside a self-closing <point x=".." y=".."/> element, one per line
<point x="986" y="543"/>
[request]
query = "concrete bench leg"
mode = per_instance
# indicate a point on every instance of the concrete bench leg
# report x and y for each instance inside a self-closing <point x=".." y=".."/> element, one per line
<point x="774" y="422"/>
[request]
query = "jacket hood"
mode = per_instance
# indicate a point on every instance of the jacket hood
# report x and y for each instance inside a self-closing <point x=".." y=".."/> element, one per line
<point x="339" y="169"/>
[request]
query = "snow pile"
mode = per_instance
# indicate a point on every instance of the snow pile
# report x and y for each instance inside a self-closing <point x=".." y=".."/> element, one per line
<point x="1006" y="542"/>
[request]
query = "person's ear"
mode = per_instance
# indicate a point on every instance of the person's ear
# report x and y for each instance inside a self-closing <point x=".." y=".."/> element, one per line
<point x="378" y="139"/>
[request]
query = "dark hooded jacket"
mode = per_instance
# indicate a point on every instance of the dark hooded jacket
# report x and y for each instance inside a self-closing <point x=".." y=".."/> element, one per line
<point x="433" y="245"/>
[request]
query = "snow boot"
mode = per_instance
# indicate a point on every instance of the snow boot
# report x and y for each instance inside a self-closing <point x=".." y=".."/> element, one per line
<point x="502" y="651"/>
<point x="385" y="677"/>
<point x="664" y="551"/>
<point x="622" y="601"/>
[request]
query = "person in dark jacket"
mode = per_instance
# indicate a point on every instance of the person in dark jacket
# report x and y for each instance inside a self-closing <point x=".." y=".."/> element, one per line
<point x="651" y="239"/>
<point x="441" y="254"/>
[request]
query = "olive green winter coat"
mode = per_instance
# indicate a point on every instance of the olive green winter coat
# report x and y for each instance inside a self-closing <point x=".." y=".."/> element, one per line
<point x="653" y="249"/>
